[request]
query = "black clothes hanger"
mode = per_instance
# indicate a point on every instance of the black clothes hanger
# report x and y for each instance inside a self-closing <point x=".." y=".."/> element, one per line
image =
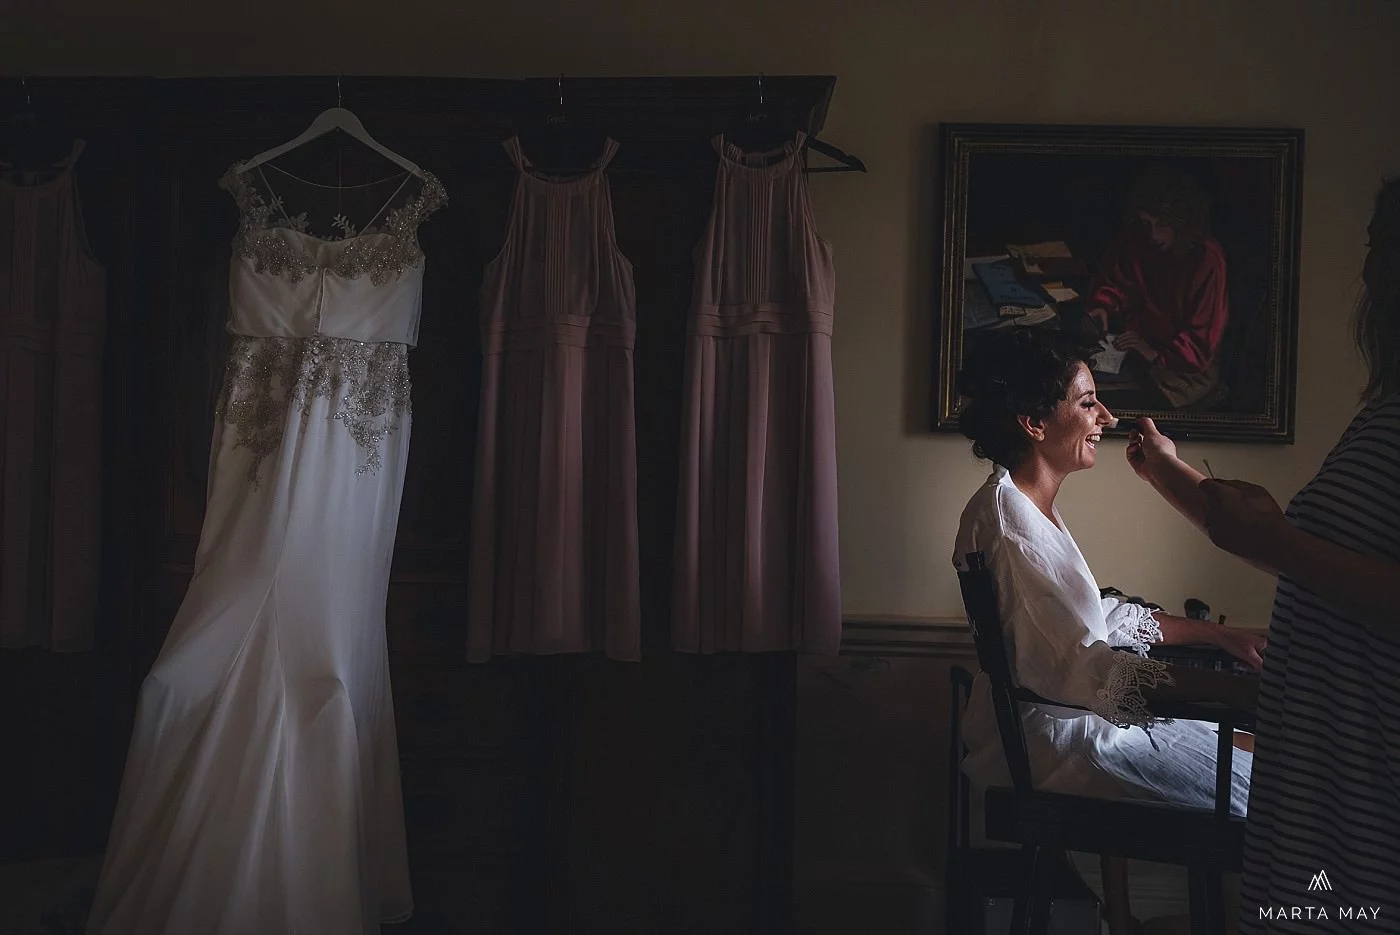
<point x="762" y="128"/>
<point x="560" y="142"/>
<point x="847" y="162"/>
<point x="759" y="127"/>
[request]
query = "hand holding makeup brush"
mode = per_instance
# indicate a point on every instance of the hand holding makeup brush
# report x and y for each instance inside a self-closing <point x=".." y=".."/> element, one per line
<point x="1149" y="450"/>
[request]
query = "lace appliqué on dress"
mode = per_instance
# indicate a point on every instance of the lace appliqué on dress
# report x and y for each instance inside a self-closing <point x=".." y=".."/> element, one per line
<point x="266" y="377"/>
<point x="382" y="251"/>
<point x="1134" y="627"/>
<point x="1120" y="701"/>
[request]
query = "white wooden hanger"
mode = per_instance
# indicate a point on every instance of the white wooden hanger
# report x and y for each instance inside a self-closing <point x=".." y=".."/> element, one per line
<point x="334" y="118"/>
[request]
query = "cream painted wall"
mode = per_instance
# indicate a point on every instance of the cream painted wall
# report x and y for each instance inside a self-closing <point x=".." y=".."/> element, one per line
<point x="1331" y="67"/>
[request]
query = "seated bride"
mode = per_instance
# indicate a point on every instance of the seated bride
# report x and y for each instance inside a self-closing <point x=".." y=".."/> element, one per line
<point x="1030" y="408"/>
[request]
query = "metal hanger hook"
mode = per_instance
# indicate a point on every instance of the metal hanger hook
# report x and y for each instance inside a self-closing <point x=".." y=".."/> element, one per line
<point x="559" y="86"/>
<point x="339" y="98"/>
<point x="761" y="100"/>
<point x="24" y="84"/>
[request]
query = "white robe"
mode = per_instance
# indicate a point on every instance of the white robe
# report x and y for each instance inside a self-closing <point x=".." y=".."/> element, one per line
<point x="1060" y="634"/>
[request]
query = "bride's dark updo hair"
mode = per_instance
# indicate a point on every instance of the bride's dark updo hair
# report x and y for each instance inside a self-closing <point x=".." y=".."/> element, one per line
<point x="1011" y="373"/>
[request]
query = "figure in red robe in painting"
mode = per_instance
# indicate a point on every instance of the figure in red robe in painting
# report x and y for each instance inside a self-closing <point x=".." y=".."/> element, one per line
<point x="1161" y="289"/>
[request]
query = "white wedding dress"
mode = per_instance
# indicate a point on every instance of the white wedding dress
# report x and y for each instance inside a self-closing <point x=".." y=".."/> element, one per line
<point x="261" y="794"/>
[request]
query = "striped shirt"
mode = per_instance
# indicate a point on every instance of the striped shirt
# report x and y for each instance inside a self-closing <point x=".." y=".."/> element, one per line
<point x="1322" y="852"/>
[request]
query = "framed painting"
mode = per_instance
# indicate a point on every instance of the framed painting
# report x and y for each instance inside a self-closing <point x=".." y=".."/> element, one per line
<point x="1174" y="250"/>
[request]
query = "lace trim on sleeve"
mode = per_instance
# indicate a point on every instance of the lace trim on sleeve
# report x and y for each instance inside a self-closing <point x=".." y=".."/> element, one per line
<point x="1136" y="629"/>
<point x="1120" y="701"/>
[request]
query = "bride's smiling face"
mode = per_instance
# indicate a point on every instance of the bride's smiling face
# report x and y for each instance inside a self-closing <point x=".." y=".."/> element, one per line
<point x="1069" y="436"/>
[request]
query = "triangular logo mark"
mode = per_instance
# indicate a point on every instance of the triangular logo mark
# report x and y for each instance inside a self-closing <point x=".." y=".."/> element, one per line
<point x="1320" y="882"/>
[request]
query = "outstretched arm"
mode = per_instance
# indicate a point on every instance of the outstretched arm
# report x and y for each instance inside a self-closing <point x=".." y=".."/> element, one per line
<point x="1153" y="457"/>
<point x="1244" y="645"/>
<point x="1058" y="658"/>
<point x="1138" y="628"/>
<point x="1245" y="520"/>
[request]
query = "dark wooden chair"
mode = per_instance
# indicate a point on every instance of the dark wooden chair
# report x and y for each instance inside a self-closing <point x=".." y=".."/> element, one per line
<point x="1045" y="824"/>
<point x="976" y="876"/>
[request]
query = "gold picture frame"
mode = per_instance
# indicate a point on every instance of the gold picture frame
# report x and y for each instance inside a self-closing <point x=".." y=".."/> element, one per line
<point x="1192" y="299"/>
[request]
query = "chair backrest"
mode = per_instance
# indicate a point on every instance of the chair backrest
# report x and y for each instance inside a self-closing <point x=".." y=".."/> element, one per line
<point x="980" y="602"/>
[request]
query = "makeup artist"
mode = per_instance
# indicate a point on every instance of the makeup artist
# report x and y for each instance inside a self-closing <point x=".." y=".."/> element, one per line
<point x="1325" y="792"/>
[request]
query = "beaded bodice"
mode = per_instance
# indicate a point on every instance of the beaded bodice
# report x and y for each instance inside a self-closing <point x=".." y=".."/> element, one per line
<point x="280" y="244"/>
<point x="322" y="317"/>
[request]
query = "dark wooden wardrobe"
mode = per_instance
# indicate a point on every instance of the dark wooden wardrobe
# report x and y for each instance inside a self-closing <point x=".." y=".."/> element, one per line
<point x="543" y="794"/>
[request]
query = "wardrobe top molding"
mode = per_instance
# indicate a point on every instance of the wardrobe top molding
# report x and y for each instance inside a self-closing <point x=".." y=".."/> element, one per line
<point x="677" y="114"/>
<point x="659" y="101"/>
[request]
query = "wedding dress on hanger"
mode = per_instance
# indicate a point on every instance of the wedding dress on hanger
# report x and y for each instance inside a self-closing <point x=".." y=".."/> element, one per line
<point x="261" y="794"/>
